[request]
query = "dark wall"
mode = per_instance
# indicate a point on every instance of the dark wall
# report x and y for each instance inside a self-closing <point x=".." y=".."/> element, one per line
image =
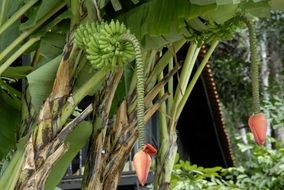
<point x="199" y="140"/>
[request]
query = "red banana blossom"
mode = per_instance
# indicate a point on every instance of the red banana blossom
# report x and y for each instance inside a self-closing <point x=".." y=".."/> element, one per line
<point x="142" y="162"/>
<point x="258" y="125"/>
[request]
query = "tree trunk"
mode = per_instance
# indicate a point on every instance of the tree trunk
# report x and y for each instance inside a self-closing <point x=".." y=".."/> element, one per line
<point x="107" y="158"/>
<point x="41" y="151"/>
<point x="165" y="163"/>
<point x="277" y="79"/>
<point x="264" y="73"/>
<point x="108" y="154"/>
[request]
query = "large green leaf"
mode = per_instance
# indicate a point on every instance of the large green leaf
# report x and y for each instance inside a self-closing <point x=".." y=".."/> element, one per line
<point x="9" y="123"/>
<point x="41" y="81"/>
<point x="13" y="6"/>
<point x="12" y="32"/>
<point x="160" y="19"/>
<point x="9" y="36"/>
<point x="152" y="22"/>
<point x="167" y="16"/>
<point x="57" y="25"/>
<point x="54" y="38"/>
<point x="222" y="13"/>
<point x="17" y="72"/>
<point x="51" y="45"/>
<point x="85" y="74"/>
<point x="277" y="4"/>
<point x="76" y="140"/>
<point x="10" y="95"/>
<point x="39" y="12"/>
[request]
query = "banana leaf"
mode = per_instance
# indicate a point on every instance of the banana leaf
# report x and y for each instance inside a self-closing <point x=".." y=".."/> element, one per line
<point x="41" y="81"/>
<point x="9" y="122"/>
<point x="39" y="12"/>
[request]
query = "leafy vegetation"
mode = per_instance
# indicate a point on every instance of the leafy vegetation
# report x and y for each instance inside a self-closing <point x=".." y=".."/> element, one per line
<point x="258" y="167"/>
<point x="45" y="78"/>
<point x="263" y="170"/>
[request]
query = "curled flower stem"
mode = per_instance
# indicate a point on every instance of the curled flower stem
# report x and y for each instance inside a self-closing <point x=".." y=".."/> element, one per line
<point x="140" y="86"/>
<point x="254" y="63"/>
<point x="111" y="45"/>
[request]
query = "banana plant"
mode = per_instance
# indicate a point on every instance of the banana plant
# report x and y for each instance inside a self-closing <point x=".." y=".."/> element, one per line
<point x="54" y="53"/>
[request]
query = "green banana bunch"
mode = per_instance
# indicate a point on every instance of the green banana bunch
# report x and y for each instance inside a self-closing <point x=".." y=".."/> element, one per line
<point x="111" y="46"/>
<point x="104" y="45"/>
<point x="84" y="32"/>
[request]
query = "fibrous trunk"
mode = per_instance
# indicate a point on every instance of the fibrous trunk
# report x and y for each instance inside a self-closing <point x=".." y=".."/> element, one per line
<point x="165" y="162"/>
<point x="42" y="149"/>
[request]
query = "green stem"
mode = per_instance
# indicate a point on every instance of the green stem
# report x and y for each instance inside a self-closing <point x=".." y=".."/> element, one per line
<point x="11" y="174"/>
<point x="150" y="61"/>
<point x="80" y="62"/>
<point x="163" y="115"/>
<point x="170" y="88"/>
<point x="74" y="59"/>
<point x="254" y="64"/>
<point x="93" y="10"/>
<point x="17" y="54"/>
<point x="17" y="15"/>
<point x="188" y="69"/>
<point x="168" y="151"/>
<point x="3" y="12"/>
<point x="25" y="34"/>
<point x="35" y="56"/>
<point x="125" y="82"/>
<point x="163" y="62"/>
<point x="75" y="9"/>
<point x="182" y="84"/>
<point x="12" y="92"/>
<point x="140" y="87"/>
<point x="195" y="77"/>
<point x="185" y="73"/>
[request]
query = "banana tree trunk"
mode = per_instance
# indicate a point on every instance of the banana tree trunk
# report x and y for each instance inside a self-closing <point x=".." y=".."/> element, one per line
<point x="166" y="159"/>
<point x="111" y="146"/>
<point x="45" y="136"/>
<point x="110" y="149"/>
<point x="108" y="153"/>
<point x="33" y="176"/>
<point x="41" y="151"/>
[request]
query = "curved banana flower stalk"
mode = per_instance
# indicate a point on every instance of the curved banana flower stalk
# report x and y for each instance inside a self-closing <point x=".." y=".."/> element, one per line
<point x="142" y="162"/>
<point x="258" y="125"/>
<point x="257" y="122"/>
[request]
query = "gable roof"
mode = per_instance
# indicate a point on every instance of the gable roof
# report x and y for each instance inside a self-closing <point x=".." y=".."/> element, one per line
<point x="201" y="129"/>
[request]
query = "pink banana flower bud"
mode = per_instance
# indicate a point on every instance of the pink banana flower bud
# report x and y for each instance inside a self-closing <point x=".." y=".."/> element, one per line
<point x="142" y="162"/>
<point x="258" y="125"/>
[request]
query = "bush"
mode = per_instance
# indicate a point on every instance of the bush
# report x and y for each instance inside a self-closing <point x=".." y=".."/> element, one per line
<point x="264" y="170"/>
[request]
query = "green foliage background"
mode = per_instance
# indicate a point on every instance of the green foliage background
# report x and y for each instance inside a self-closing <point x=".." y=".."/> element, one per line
<point x="263" y="170"/>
